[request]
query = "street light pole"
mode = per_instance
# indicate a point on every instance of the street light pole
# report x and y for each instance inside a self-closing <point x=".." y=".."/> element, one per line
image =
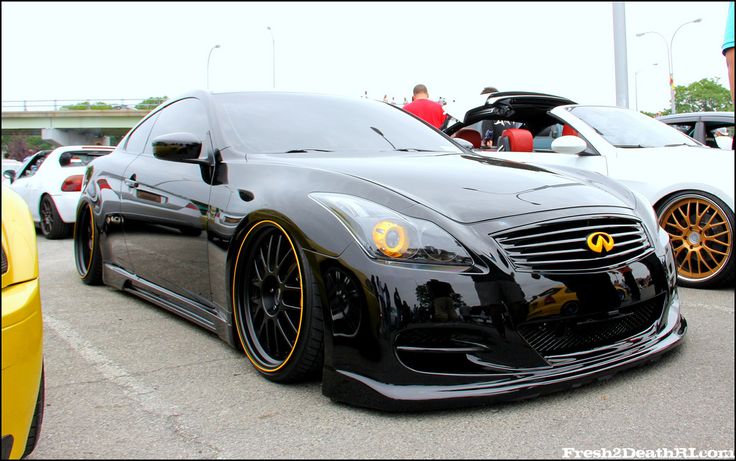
<point x="208" y="64"/>
<point x="669" y="57"/>
<point x="636" y="85"/>
<point x="273" y="56"/>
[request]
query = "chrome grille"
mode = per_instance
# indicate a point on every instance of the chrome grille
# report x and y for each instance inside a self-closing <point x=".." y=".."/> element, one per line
<point x="561" y="245"/>
<point x="565" y="336"/>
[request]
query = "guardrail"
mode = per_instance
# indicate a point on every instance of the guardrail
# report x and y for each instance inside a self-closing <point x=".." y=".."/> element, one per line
<point x="76" y="104"/>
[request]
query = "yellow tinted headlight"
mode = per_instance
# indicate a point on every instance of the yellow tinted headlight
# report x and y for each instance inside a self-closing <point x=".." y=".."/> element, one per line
<point x="391" y="239"/>
<point x="388" y="235"/>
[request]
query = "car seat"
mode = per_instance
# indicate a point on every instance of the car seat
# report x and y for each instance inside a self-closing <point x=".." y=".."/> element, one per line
<point x="516" y="140"/>
<point x="470" y="135"/>
<point x="567" y="130"/>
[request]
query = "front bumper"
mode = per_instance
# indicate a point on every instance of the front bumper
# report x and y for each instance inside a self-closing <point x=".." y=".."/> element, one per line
<point x="22" y="356"/>
<point x="355" y="389"/>
<point x="432" y="339"/>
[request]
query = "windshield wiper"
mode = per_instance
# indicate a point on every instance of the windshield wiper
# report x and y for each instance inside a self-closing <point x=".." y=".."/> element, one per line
<point x="680" y="144"/>
<point x="305" y="150"/>
<point x="413" y="149"/>
<point x="631" y="146"/>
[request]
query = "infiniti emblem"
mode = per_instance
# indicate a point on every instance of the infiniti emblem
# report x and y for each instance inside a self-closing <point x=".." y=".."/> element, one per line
<point x="599" y="241"/>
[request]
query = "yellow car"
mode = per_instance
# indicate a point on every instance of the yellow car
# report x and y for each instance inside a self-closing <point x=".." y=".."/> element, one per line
<point x="22" y="336"/>
<point x="556" y="300"/>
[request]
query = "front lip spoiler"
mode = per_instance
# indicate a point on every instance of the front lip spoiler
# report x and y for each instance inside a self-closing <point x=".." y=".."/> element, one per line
<point x="590" y="366"/>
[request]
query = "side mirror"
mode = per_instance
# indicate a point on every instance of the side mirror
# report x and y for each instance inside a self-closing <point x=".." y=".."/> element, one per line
<point x="568" y="145"/>
<point x="465" y="143"/>
<point x="10" y="174"/>
<point x="177" y="147"/>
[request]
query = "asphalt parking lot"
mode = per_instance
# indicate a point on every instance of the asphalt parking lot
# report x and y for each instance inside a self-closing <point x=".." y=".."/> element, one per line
<point x="126" y="379"/>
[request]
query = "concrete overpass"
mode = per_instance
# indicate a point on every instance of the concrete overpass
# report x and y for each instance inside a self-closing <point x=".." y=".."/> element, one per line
<point x="70" y="127"/>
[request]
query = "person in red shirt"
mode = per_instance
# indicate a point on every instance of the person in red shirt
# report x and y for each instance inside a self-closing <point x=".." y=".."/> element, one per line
<point x="429" y="111"/>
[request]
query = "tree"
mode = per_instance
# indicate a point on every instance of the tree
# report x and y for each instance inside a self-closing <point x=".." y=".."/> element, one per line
<point x="706" y="95"/>
<point x="151" y="103"/>
<point x="86" y="105"/>
<point x="18" y="146"/>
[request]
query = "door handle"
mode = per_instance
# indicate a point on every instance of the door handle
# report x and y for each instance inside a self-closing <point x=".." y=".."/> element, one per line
<point x="131" y="182"/>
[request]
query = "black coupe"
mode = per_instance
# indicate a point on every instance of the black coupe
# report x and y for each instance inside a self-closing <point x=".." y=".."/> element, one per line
<point x="346" y="239"/>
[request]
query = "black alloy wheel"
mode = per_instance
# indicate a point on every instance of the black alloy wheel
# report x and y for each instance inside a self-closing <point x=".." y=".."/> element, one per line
<point x="277" y="314"/>
<point x="52" y="227"/>
<point x="87" y="247"/>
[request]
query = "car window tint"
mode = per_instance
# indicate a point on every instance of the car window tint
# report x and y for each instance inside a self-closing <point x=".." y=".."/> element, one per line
<point x="185" y="116"/>
<point x="273" y="123"/>
<point x="629" y="129"/>
<point x="137" y="139"/>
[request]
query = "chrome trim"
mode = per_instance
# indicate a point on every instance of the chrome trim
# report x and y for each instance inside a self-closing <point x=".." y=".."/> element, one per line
<point x="568" y="252"/>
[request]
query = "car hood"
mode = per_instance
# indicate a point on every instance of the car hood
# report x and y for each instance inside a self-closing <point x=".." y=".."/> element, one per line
<point x="470" y="188"/>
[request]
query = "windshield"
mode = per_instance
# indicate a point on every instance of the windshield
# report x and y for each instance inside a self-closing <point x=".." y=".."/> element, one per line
<point x="283" y="122"/>
<point x="628" y="129"/>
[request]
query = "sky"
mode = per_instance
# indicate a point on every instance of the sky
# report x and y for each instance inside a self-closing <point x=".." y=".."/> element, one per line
<point x="134" y="50"/>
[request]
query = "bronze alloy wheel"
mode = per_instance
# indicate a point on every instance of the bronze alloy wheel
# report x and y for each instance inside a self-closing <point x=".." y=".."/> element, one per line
<point x="701" y="233"/>
<point x="280" y="332"/>
<point x="87" y="247"/>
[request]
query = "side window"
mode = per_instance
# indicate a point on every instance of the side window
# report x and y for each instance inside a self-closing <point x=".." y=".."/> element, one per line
<point x="187" y="115"/>
<point x="719" y="135"/>
<point x="30" y="168"/>
<point x="137" y="139"/>
<point x="687" y="128"/>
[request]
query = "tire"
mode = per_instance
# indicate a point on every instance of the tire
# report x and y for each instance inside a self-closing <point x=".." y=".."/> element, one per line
<point x="700" y="227"/>
<point x="276" y="307"/>
<point x="87" y="255"/>
<point x="52" y="227"/>
<point x="35" y="430"/>
<point x="570" y="308"/>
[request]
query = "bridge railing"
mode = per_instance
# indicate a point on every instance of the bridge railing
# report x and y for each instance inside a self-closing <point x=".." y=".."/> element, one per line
<point x="76" y="104"/>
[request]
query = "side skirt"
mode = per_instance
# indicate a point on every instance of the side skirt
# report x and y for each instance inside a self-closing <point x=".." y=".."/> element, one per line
<point x="191" y="310"/>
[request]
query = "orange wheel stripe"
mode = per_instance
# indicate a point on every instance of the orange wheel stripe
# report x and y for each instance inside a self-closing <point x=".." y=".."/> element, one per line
<point x="301" y="298"/>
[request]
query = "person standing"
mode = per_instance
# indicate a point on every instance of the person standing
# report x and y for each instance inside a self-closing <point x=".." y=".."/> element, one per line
<point x="727" y="50"/>
<point x="421" y="106"/>
<point x="493" y="129"/>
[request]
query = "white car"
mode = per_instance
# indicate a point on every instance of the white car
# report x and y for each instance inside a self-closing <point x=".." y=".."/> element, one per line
<point x="690" y="185"/>
<point x="50" y="182"/>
